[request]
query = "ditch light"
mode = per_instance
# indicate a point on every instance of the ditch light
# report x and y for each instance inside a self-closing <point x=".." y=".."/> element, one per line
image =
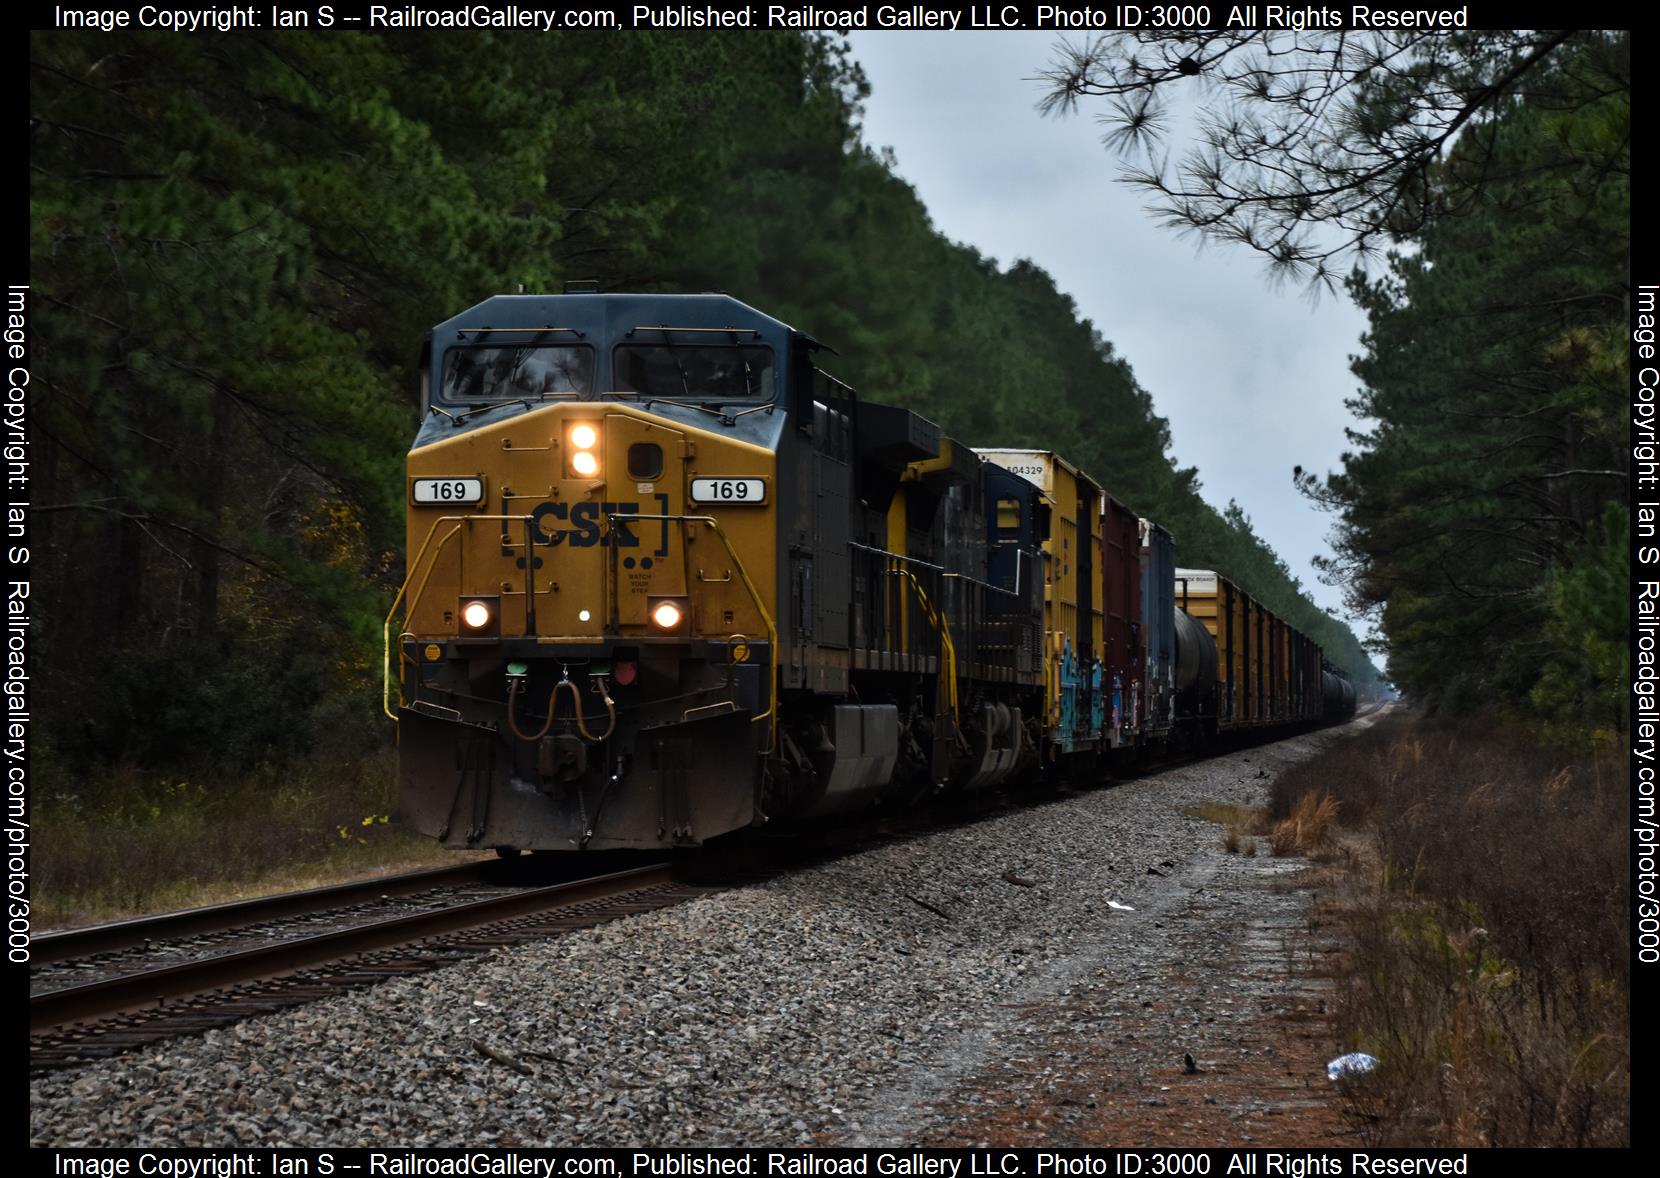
<point x="480" y="616"/>
<point x="668" y="614"/>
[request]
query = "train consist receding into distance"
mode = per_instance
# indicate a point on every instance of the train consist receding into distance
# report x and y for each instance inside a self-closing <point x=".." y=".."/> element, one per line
<point x="667" y="579"/>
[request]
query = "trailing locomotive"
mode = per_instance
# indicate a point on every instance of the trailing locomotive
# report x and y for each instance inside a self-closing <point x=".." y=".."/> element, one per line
<point x="668" y="579"/>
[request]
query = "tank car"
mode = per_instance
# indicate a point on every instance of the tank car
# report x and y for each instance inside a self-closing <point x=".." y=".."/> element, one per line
<point x="1337" y="697"/>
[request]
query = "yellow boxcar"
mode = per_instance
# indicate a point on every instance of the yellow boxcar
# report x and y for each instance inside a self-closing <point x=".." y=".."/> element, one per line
<point x="1074" y="622"/>
<point x="1266" y="672"/>
<point x="1282" y="673"/>
<point x="1256" y="644"/>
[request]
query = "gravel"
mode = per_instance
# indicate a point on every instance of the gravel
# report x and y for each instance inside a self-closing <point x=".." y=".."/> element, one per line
<point x="819" y="1008"/>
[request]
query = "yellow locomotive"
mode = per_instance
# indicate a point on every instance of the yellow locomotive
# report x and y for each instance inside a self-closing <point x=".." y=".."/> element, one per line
<point x="667" y="579"/>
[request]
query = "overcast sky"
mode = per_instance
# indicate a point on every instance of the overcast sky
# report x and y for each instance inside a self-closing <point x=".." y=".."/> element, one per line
<point x="1252" y="379"/>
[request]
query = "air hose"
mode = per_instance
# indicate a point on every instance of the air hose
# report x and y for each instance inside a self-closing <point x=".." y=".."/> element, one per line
<point x="515" y="685"/>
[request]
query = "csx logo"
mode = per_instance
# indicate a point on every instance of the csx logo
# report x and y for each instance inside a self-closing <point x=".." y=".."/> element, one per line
<point x="585" y="529"/>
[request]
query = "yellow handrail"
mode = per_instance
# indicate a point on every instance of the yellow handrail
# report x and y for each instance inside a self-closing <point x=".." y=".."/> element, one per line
<point x="414" y="599"/>
<point x="944" y="632"/>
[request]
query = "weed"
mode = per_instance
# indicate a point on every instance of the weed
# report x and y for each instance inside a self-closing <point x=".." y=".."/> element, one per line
<point x="132" y="845"/>
<point x="1489" y="946"/>
<point x="1308" y="829"/>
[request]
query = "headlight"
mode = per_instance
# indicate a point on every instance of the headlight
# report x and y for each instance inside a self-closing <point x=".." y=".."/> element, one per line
<point x="584" y="442"/>
<point x="666" y="616"/>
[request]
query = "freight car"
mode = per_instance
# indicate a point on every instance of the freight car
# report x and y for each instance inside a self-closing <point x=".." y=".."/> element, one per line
<point x="668" y="579"/>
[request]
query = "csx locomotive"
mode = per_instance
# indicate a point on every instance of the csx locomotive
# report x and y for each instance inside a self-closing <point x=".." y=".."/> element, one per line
<point x="668" y="579"/>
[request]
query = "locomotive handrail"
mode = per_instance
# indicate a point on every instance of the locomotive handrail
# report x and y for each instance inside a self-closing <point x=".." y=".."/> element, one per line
<point x="771" y="714"/>
<point x="1019" y="557"/>
<point x="946" y="644"/>
<point x="933" y="568"/>
<point x="461" y="332"/>
<point x="939" y="568"/>
<point x="386" y="626"/>
<point x="414" y="599"/>
<point x="695" y="330"/>
<point x="1015" y="593"/>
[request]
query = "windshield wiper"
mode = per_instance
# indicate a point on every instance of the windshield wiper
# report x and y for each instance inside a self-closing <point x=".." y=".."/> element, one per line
<point x="685" y="383"/>
<point x="668" y="344"/>
<point x="650" y="401"/>
<point x="525" y="401"/>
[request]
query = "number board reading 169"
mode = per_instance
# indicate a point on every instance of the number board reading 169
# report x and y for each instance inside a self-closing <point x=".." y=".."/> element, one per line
<point x="729" y="490"/>
<point x="457" y="490"/>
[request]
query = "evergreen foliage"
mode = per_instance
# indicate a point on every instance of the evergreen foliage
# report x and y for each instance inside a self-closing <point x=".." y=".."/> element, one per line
<point x="1484" y="516"/>
<point x="1312" y="146"/>
<point x="238" y="240"/>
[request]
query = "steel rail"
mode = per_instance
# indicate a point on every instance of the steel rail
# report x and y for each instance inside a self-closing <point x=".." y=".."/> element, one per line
<point x="54" y="948"/>
<point x="146" y="991"/>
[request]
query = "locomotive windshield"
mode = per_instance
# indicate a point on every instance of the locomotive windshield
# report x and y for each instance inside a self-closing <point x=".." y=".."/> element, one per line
<point x="709" y="372"/>
<point x="508" y="373"/>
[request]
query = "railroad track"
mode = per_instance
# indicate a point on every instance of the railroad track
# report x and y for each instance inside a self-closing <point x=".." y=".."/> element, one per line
<point x="75" y="947"/>
<point x="159" y="977"/>
<point x="127" y="946"/>
<point x="75" y="1023"/>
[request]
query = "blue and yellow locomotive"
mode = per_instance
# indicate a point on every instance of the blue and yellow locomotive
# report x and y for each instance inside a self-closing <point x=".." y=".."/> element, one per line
<point x="667" y="579"/>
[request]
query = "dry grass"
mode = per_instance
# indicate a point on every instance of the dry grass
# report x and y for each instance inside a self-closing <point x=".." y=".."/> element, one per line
<point x="1489" y="936"/>
<point x="135" y="846"/>
<point x="1246" y="819"/>
<point x="1241" y="824"/>
<point x="1308" y="829"/>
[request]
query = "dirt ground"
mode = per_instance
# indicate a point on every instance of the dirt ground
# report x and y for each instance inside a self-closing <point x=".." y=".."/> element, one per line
<point x="1198" y="1019"/>
<point x="1241" y="986"/>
